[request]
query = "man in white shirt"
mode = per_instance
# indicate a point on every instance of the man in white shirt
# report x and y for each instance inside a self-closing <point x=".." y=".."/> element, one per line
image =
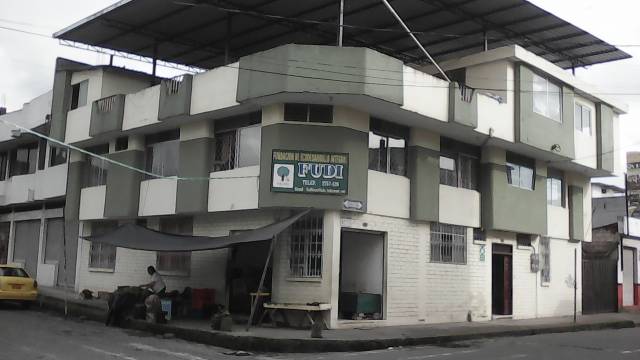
<point x="157" y="284"/>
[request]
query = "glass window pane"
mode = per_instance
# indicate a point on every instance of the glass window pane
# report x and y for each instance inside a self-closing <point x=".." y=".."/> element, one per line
<point x="377" y="152"/>
<point x="513" y="174"/>
<point x="249" y="151"/>
<point x="164" y="157"/>
<point x="295" y="112"/>
<point x="397" y="156"/>
<point x="540" y="95"/>
<point x="586" y="119"/>
<point x="526" y="178"/>
<point x="448" y="172"/>
<point x="554" y="105"/>
<point x="225" y="152"/>
<point x="321" y="113"/>
<point x="468" y="172"/>
<point x="577" y="114"/>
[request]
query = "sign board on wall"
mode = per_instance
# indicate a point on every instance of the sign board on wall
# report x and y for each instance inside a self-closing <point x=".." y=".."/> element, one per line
<point x="309" y="172"/>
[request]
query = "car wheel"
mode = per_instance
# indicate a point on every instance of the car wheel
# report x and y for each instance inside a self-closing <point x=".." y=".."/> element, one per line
<point x="26" y="305"/>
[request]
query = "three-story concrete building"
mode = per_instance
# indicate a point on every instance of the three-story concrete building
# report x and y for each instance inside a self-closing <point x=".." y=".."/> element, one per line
<point x="432" y="200"/>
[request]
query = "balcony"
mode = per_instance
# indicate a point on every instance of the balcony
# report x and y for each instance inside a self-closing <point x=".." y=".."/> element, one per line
<point x="158" y="197"/>
<point x="459" y="206"/>
<point x="107" y="115"/>
<point x="175" y="97"/>
<point x="51" y="182"/>
<point x="92" y="202"/>
<point x="141" y="108"/>
<point x="235" y="189"/>
<point x="78" y="121"/>
<point x="463" y="105"/>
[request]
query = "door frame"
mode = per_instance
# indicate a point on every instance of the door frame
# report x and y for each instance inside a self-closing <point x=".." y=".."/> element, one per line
<point x="634" y="252"/>
<point x="507" y="251"/>
<point x="385" y="243"/>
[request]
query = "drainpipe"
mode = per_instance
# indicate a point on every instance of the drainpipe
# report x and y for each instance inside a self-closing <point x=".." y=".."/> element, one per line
<point x="340" y="23"/>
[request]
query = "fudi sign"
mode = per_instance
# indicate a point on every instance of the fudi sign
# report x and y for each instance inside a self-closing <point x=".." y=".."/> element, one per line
<point x="310" y="172"/>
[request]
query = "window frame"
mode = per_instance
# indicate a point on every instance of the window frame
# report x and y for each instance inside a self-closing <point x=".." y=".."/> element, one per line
<point x="32" y="155"/>
<point x="582" y="107"/>
<point x="235" y="134"/>
<point x="547" y="82"/>
<point x="306" y="247"/>
<point x="4" y="165"/>
<point x="443" y="236"/>
<point x="169" y="137"/>
<point x="102" y="250"/>
<point x="386" y="130"/>
<point x="555" y="176"/>
<point x="518" y="162"/>
<point x="53" y="160"/>
<point x="79" y="97"/>
<point x="176" y="226"/>
<point x="309" y="110"/>
<point x="97" y="166"/>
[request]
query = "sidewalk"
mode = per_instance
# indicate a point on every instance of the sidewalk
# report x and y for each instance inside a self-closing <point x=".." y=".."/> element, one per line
<point x="290" y="340"/>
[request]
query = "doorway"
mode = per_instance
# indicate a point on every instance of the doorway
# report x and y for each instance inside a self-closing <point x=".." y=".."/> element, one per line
<point x="502" y="280"/>
<point x="628" y="276"/>
<point x="245" y="267"/>
<point x="361" y="276"/>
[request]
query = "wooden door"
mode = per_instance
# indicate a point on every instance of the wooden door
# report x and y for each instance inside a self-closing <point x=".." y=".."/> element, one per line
<point x="508" y="285"/>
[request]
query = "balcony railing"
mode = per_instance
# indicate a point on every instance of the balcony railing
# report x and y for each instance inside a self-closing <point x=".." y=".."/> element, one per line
<point x="463" y="105"/>
<point x="175" y="97"/>
<point x="106" y="115"/>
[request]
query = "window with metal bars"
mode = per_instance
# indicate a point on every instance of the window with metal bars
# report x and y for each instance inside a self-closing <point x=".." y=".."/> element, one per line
<point x="545" y="259"/>
<point x="237" y="148"/>
<point x="102" y="256"/>
<point x="175" y="262"/>
<point x="448" y="244"/>
<point x="305" y="247"/>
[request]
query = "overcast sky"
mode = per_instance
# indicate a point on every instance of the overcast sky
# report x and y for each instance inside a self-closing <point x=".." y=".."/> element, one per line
<point x="27" y="61"/>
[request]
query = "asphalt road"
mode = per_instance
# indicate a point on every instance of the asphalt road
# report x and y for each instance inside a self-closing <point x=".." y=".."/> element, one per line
<point x="35" y="335"/>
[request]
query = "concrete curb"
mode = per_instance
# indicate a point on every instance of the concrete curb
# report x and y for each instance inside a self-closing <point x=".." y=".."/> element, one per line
<point x="261" y="344"/>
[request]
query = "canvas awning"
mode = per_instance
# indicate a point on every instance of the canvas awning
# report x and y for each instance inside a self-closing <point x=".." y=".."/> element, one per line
<point x="132" y="236"/>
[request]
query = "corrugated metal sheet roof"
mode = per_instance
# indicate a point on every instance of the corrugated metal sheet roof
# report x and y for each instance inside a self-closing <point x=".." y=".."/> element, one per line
<point x="208" y="33"/>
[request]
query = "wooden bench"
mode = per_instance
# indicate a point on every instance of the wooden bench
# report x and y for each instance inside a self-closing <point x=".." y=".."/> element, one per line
<point x="272" y="309"/>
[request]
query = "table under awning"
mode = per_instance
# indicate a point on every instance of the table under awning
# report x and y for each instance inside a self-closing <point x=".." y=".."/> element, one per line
<point x="132" y="236"/>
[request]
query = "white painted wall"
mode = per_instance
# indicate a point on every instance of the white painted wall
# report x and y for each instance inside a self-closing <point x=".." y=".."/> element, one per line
<point x="141" y="108"/>
<point x="92" y="202"/>
<point x="556" y="297"/>
<point x="459" y="206"/>
<point x="425" y="94"/>
<point x="235" y="189"/>
<point x="350" y="118"/>
<point x="158" y="197"/>
<point x="215" y="89"/>
<point x="576" y="179"/>
<point x="492" y="79"/>
<point x="78" y="123"/>
<point x="31" y="115"/>
<point x="557" y="222"/>
<point x="388" y="194"/>
<point x="117" y="82"/>
<point x="20" y="189"/>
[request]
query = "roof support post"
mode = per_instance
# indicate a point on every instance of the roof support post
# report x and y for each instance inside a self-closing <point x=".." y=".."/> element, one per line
<point x="486" y="41"/>
<point x="227" y="43"/>
<point x="155" y="61"/>
<point x="341" y="23"/>
<point x="259" y="291"/>
<point x="406" y="28"/>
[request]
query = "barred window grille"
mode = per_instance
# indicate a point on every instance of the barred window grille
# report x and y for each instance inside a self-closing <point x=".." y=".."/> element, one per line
<point x="225" y="156"/>
<point x="305" y="247"/>
<point x="448" y="244"/>
<point x="545" y="259"/>
<point x="102" y="256"/>
<point x="175" y="262"/>
<point x="237" y="148"/>
<point x="173" y="84"/>
<point x="106" y="104"/>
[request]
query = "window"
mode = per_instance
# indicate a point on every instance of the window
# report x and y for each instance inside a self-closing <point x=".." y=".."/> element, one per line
<point x="237" y="148"/>
<point x="79" y="95"/>
<point x="459" y="164"/>
<point x="388" y="147"/>
<point x="308" y="113"/>
<point x="4" y="160"/>
<point x="175" y="262"/>
<point x="555" y="189"/>
<point x="547" y="98"/>
<point x="545" y="259"/>
<point x="479" y="235"/>
<point x="163" y="153"/>
<point x="305" y="247"/>
<point x="24" y="160"/>
<point x="582" y="118"/>
<point x="122" y="143"/>
<point x="448" y="171"/>
<point x="520" y="171"/>
<point x="57" y="156"/>
<point x="448" y="244"/>
<point x="98" y="168"/>
<point x="102" y="256"/>
<point x="523" y="239"/>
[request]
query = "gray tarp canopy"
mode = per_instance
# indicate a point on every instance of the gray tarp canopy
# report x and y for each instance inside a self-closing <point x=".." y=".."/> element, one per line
<point x="136" y="237"/>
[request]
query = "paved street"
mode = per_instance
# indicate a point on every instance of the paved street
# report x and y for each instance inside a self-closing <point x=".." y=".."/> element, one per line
<point x="35" y="335"/>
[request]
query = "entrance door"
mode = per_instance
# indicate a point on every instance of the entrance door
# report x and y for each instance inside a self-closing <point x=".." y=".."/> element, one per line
<point x="27" y="239"/>
<point x="245" y="268"/>
<point x="628" y="276"/>
<point x="361" y="276"/>
<point x="501" y="280"/>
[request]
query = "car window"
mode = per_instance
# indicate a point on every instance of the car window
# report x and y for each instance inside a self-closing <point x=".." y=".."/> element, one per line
<point x="13" y="272"/>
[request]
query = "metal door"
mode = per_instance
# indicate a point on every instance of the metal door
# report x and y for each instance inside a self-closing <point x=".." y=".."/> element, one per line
<point x="628" y="276"/>
<point x="599" y="277"/>
<point x="27" y="239"/>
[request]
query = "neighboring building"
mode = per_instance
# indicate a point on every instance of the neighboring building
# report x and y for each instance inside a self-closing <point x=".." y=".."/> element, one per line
<point x="33" y="178"/>
<point x="432" y="200"/>
<point x="601" y="190"/>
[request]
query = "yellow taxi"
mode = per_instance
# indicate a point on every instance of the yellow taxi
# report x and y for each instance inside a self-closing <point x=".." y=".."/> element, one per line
<point x="17" y="285"/>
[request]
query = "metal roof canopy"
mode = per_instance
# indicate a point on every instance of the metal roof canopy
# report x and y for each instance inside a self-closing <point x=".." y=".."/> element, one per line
<point x="210" y="33"/>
